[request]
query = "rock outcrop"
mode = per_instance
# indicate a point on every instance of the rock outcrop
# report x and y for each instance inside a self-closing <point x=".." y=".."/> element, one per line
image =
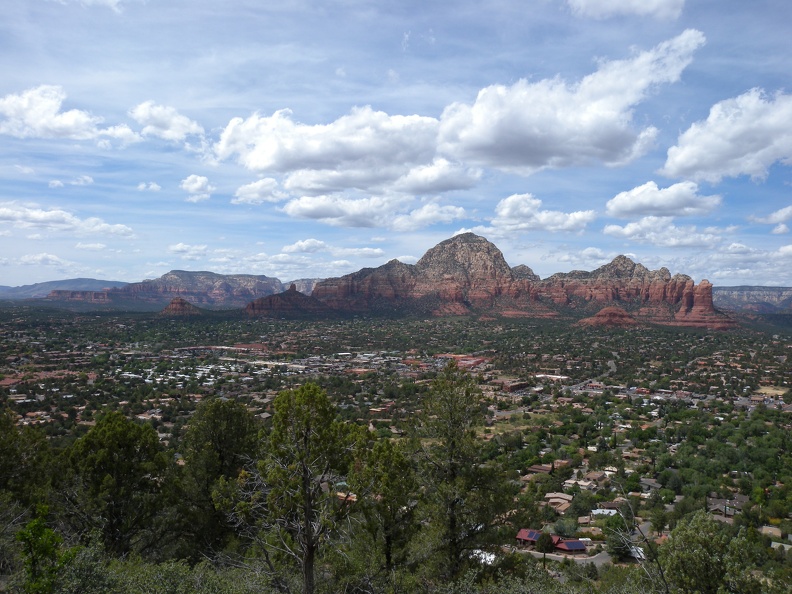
<point x="753" y="299"/>
<point x="610" y="317"/>
<point x="180" y="308"/>
<point x="207" y="289"/>
<point x="467" y="274"/>
<point x="289" y="304"/>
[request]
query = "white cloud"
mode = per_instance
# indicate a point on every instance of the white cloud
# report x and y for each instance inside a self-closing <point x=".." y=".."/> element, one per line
<point x="258" y="192"/>
<point x="586" y="259"/>
<point x="83" y="180"/>
<point x="36" y="113"/>
<point x="43" y="259"/>
<point x="530" y="126"/>
<point x="661" y="231"/>
<point x="305" y="246"/>
<point x="523" y="212"/>
<point x="741" y="136"/>
<point x="164" y="122"/>
<point x="681" y="199"/>
<point x="26" y="216"/>
<point x="375" y="211"/>
<point x="188" y="252"/>
<point x="91" y="247"/>
<point x="24" y="169"/>
<point x="781" y="215"/>
<point x="440" y="176"/>
<point x="364" y="149"/>
<point x="149" y="187"/>
<point x="599" y="9"/>
<point x="198" y="187"/>
<point x="426" y="215"/>
<point x="780" y="229"/>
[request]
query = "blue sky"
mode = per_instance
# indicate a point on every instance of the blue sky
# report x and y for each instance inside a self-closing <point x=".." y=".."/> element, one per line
<point x="312" y="139"/>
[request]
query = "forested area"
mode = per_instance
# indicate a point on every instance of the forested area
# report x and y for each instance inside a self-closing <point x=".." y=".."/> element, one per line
<point x="307" y="502"/>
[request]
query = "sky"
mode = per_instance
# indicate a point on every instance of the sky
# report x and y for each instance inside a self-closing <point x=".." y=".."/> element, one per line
<point x="306" y="139"/>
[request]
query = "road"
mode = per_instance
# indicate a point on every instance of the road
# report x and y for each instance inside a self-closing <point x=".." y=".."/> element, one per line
<point x="599" y="559"/>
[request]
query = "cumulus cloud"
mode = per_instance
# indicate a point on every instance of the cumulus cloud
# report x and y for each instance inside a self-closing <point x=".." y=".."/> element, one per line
<point x="586" y="259"/>
<point x="313" y="246"/>
<point x="781" y="215"/>
<point x="27" y="216"/>
<point x="164" y="122"/>
<point x="36" y="113"/>
<point x="188" y="252"/>
<point x="439" y="176"/>
<point x="83" y="180"/>
<point x="340" y="211"/>
<point x="305" y="246"/>
<point x="523" y="212"/>
<point x="600" y="9"/>
<point x="149" y="187"/>
<point x="376" y="211"/>
<point x="426" y="215"/>
<point x="43" y="259"/>
<point x="258" y="192"/>
<point x="780" y="229"/>
<point x="744" y="135"/>
<point x="681" y="199"/>
<point x="362" y="149"/>
<point x="198" y="187"/>
<point x="530" y="126"/>
<point x="661" y="231"/>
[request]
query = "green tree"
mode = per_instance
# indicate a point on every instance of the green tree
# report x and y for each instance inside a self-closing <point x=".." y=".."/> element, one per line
<point x="703" y="557"/>
<point x="386" y="485"/>
<point x="40" y="549"/>
<point x="114" y="480"/>
<point x="289" y="502"/>
<point x="545" y="544"/>
<point x="220" y="439"/>
<point x="462" y="495"/>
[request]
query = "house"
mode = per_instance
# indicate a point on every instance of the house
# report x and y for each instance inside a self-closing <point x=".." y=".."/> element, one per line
<point x="527" y="537"/>
<point x="568" y="545"/>
<point x="560" y="502"/>
<point x="726" y="507"/>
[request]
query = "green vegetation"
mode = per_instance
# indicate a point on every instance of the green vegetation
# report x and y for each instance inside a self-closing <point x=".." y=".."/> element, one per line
<point x="229" y="455"/>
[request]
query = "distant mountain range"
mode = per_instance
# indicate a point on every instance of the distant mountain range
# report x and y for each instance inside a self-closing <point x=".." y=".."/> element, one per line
<point x="39" y="290"/>
<point x="464" y="275"/>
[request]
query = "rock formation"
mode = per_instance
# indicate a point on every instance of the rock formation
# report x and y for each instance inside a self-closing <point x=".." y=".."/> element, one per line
<point x="180" y="308"/>
<point x="289" y="304"/>
<point x="610" y="317"/>
<point x="468" y="274"/>
<point x="207" y="289"/>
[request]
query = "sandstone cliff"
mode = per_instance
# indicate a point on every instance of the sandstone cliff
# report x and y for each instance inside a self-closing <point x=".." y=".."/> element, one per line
<point x="753" y="299"/>
<point x="467" y="274"/>
<point x="289" y="304"/>
<point x="180" y="308"/>
<point x="207" y="289"/>
<point x="610" y="317"/>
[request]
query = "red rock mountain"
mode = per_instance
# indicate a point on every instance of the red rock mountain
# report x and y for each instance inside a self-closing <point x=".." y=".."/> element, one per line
<point x="288" y="304"/>
<point x="468" y="275"/>
<point x="180" y="308"/>
<point x="610" y="317"/>
<point x="207" y="289"/>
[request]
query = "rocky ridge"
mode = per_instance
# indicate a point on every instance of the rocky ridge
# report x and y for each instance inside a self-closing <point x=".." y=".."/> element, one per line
<point x="180" y="308"/>
<point x="290" y="303"/>
<point x="468" y="275"/>
<point x="207" y="289"/>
